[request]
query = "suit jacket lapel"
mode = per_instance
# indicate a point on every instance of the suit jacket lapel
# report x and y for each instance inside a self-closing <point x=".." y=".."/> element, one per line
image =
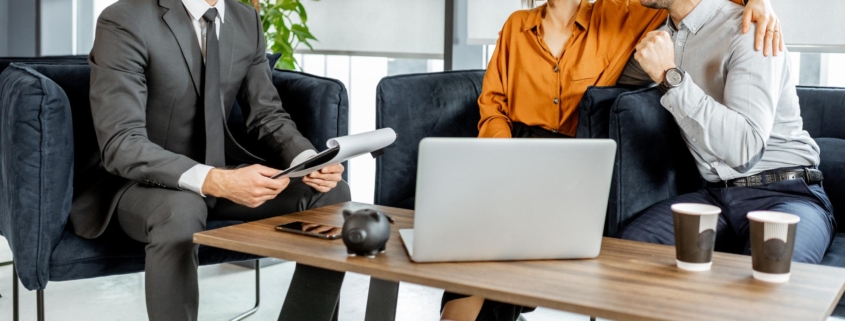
<point x="179" y="22"/>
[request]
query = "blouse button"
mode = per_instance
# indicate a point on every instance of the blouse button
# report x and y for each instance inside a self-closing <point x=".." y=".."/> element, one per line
<point x="556" y="69"/>
<point x="556" y="101"/>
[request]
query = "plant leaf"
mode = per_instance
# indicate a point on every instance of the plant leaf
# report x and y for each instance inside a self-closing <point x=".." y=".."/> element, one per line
<point x="302" y="32"/>
<point x="300" y="9"/>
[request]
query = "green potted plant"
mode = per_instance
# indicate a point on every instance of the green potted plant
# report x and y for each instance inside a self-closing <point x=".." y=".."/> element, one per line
<point x="284" y="33"/>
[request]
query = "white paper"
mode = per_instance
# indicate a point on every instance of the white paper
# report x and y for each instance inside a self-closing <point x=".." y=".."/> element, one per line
<point x="353" y="146"/>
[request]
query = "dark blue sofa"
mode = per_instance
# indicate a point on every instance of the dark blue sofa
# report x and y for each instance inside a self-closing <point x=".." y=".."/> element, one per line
<point x="652" y="162"/>
<point x="48" y="144"/>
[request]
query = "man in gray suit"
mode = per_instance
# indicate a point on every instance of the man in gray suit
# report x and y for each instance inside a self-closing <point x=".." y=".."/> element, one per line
<point x="165" y="74"/>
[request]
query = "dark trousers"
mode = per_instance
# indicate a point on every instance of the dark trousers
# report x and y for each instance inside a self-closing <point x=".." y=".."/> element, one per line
<point x="167" y="219"/>
<point x="814" y="233"/>
<point x="494" y="310"/>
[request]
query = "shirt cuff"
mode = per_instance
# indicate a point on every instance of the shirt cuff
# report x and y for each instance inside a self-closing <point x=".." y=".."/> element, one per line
<point x="495" y="128"/>
<point x="304" y="156"/>
<point x="193" y="178"/>
<point x="683" y="100"/>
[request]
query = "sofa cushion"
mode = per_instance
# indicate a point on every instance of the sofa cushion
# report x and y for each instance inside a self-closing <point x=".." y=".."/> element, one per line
<point x="594" y="110"/>
<point x="418" y="106"/>
<point x="36" y="169"/>
<point x="823" y="111"/>
<point x="653" y="162"/>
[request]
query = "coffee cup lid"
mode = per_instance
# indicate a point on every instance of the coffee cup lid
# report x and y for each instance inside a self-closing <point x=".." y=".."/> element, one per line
<point x="696" y="209"/>
<point x="773" y="217"/>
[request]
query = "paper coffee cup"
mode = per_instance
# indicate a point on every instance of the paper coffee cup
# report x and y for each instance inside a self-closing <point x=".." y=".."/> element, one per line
<point x="772" y="244"/>
<point x="695" y="235"/>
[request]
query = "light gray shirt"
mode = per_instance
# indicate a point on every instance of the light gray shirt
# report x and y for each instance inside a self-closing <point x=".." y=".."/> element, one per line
<point x="737" y="109"/>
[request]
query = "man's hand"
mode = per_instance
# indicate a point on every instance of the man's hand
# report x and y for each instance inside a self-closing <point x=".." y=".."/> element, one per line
<point x="325" y="179"/>
<point x="656" y="54"/>
<point x="769" y="35"/>
<point x="249" y="186"/>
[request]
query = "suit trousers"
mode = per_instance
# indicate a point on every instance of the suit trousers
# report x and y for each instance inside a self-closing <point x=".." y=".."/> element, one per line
<point x="814" y="233"/>
<point x="166" y="220"/>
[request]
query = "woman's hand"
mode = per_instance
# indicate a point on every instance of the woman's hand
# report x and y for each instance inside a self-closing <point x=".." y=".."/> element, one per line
<point x="769" y="35"/>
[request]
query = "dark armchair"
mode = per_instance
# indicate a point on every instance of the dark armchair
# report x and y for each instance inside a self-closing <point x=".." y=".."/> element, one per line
<point x="47" y="145"/>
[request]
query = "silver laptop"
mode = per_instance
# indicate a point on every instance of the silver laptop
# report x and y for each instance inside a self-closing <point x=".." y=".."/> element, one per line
<point x="510" y="199"/>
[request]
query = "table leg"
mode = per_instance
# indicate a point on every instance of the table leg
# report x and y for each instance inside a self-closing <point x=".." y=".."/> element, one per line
<point x="381" y="302"/>
<point x="313" y="294"/>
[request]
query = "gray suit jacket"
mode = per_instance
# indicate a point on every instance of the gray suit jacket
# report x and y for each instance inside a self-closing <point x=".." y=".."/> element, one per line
<point x="146" y="84"/>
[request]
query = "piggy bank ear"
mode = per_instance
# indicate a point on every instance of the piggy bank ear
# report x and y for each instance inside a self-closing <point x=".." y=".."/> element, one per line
<point x="375" y="216"/>
<point x="346" y="214"/>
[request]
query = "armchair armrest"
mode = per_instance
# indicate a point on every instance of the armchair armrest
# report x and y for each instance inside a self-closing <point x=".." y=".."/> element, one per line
<point x="36" y="169"/>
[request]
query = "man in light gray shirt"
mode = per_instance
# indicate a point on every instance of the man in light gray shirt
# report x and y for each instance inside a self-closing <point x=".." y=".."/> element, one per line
<point x="739" y="115"/>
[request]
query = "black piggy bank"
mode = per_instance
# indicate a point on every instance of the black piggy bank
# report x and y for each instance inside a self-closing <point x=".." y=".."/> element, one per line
<point x="365" y="232"/>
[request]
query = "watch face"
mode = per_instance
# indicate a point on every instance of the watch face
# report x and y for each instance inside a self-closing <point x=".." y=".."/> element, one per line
<point x="674" y="77"/>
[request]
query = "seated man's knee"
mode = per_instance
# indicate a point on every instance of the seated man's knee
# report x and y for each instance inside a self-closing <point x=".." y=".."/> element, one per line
<point x="180" y="219"/>
<point x="342" y="192"/>
<point x="339" y="194"/>
<point x="813" y="233"/>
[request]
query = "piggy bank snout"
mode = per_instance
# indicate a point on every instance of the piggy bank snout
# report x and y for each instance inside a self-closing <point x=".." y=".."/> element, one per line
<point x="357" y="236"/>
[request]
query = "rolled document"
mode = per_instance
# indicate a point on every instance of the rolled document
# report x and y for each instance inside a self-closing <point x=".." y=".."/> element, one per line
<point x="349" y="147"/>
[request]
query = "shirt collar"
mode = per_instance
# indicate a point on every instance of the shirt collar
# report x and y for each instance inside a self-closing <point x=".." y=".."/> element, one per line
<point x="582" y="18"/>
<point x="197" y="8"/>
<point x="699" y="16"/>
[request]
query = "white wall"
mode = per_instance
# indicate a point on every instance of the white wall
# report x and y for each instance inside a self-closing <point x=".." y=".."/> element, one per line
<point x="812" y="22"/>
<point x="4" y="28"/>
<point x="380" y="27"/>
<point x="486" y="17"/>
<point x="57" y="31"/>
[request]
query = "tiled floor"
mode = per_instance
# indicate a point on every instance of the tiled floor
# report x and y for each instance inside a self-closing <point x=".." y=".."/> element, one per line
<point x="226" y="290"/>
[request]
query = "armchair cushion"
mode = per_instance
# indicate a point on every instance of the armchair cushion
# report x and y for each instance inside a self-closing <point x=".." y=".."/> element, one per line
<point x="36" y="169"/>
<point x="653" y="162"/>
<point x="418" y="106"/>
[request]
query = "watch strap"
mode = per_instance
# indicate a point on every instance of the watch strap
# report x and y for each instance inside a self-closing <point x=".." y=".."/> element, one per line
<point x="663" y="87"/>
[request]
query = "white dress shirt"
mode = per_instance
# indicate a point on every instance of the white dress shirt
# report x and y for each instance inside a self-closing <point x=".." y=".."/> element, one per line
<point x="193" y="178"/>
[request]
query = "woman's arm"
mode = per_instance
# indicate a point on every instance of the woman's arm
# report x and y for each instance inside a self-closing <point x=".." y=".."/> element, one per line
<point x="493" y="101"/>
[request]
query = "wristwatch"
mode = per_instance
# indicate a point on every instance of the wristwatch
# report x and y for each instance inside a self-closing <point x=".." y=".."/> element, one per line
<point x="671" y="79"/>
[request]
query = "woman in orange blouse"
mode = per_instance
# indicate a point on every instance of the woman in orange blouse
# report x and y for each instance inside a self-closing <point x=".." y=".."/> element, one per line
<point x="544" y="61"/>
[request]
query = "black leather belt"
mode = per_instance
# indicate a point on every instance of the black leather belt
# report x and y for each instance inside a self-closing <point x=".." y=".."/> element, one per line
<point x="809" y="175"/>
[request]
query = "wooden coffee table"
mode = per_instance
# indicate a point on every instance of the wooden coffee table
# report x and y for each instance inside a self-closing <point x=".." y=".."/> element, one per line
<point x="628" y="281"/>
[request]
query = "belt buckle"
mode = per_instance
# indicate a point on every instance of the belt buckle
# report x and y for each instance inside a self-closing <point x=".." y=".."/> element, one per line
<point x="790" y="175"/>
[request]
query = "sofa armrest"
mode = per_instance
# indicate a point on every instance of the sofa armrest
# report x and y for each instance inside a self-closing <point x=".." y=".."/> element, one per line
<point x="36" y="169"/>
<point x="653" y="162"/>
<point x="418" y="106"/>
<point x="594" y="110"/>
